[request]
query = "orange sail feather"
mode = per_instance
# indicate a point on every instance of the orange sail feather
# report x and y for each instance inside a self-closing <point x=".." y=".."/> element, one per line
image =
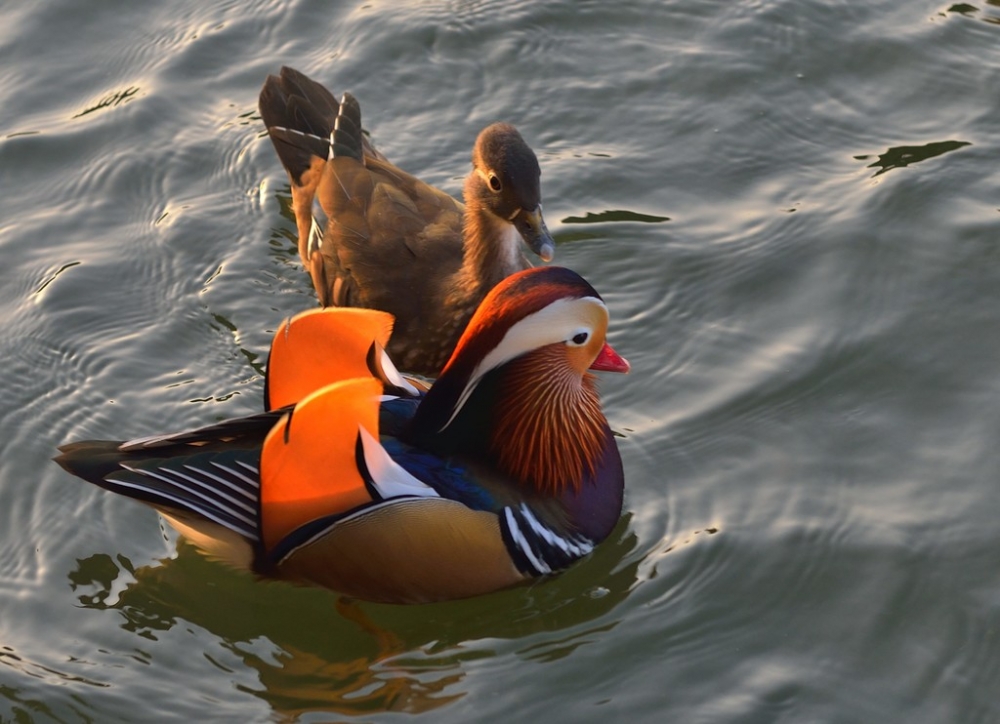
<point x="307" y="466"/>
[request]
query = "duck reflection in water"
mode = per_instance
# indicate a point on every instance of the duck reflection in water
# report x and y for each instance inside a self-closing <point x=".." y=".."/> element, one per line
<point x="303" y="649"/>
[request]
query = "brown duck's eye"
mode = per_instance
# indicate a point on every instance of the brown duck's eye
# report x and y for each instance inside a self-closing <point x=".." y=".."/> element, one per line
<point x="580" y="338"/>
<point x="495" y="182"/>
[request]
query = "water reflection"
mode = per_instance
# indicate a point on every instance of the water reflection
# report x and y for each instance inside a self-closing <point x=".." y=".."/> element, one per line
<point x="963" y="9"/>
<point x="316" y="652"/>
<point x="111" y="100"/>
<point x="26" y="705"/>
<point x="618" y="215"/>
<point x="902" y="156"/>
<point x="970" y="11"/>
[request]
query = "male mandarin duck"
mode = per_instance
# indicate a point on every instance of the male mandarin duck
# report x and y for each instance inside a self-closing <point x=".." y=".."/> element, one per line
<point x="358" y="480"/>
<point x="393" y="242"/>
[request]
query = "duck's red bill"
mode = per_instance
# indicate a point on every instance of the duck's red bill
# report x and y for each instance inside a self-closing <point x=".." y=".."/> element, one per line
<point x="610" y="361"/>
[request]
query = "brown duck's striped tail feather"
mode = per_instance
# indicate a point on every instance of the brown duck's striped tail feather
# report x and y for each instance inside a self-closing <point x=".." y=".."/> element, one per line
<point x="306" y="122"/>
<point x="297" y="150"/>
<point x="299" y="115"/>
<point x="346" y="138"/>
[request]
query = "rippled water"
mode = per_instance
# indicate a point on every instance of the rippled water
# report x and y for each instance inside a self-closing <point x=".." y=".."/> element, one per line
<point x="793" y="210"/>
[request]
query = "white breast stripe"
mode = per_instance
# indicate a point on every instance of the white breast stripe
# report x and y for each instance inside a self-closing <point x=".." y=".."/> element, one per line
<point x="567" y="546"/>
<point x="522" y="543"/>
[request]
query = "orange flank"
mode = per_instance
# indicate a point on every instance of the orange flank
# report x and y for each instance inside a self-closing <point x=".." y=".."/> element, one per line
<point x="319" y="347"/>
<point x="307" y="466"/>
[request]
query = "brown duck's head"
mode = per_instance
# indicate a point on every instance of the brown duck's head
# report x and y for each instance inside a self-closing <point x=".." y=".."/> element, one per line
<point x="506" y="181"/>
<point x="517" y="387"/>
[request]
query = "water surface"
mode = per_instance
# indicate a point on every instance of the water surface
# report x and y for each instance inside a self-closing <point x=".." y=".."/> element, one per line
<point x="793" y="211"/>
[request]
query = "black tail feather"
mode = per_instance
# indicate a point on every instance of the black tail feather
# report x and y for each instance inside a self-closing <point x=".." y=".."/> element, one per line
<point x="347" y="138"/>
<point x="212" y="472"/>
<point x="300" y="116"/>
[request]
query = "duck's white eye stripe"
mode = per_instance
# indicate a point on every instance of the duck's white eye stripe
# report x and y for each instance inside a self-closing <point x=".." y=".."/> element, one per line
<point x="557" y="322"/>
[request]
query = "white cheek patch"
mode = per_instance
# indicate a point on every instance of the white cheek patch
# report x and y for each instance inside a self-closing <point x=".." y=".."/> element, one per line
<point x="557" y="322"/>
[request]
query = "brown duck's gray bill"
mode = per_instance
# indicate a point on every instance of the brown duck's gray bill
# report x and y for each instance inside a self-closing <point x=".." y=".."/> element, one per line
<point x="531" y="226"/>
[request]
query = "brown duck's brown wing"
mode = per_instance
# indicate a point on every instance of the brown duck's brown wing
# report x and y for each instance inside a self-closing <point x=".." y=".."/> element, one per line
<point x="394" y="243"/>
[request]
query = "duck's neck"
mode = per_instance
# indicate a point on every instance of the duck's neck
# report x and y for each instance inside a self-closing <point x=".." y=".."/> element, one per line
<point x="538" y="424"/>
<point x="492" y="246"/>
<point x="548" y="431"/>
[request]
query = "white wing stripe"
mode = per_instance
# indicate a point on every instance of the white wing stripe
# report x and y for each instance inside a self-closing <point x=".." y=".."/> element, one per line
<point x="238" y="475"/>
<point x="391" y="479"/>
<point x="242" y="492"/>
<point x="159" y="474"/>
<point x="393" y="375"/>
<point x="253" y="470"/>
<point x="248" y="531"/>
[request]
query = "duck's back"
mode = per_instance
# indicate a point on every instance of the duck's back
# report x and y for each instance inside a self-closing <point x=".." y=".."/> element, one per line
<point x="393" y="242"/>
<point x="387" y="240"/>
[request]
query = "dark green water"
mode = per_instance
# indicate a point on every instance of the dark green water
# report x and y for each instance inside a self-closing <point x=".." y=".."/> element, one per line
<point x="793" y="210"/>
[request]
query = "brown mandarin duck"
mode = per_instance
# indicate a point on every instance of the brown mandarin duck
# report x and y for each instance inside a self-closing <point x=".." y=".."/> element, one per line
<point x="388" y="240"/>
<point x="357" y="480"/>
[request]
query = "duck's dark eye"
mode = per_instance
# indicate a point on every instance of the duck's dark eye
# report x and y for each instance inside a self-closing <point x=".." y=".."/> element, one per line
<point x="495" y="182"/>
<point x="580" y="338"/>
